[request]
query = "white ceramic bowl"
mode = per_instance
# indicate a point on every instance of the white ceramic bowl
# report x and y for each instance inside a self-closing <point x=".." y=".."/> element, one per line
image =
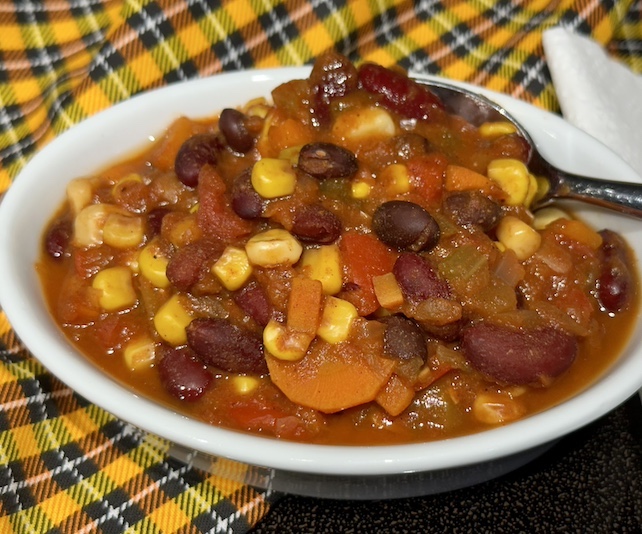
<point x="351" y="472"/>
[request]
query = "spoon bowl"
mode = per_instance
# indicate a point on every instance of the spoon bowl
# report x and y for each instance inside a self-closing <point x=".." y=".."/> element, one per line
<point x="623" y="197"/>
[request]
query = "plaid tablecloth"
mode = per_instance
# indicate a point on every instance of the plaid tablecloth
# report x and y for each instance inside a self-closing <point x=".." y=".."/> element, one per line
<point x="65" y="464"/>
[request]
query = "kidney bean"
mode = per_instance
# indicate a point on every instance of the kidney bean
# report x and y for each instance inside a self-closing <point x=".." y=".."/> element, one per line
<point x="197" y="151"/>
<point x="399" y="93"/>
<point x="417" y="278"/>
<point x="58" y="238"/>
<point x="246" y="202"/>
<point x="514" y="356"/>
<point x="472" y="207"/>
<point x="615" y="281"/>
<point x="219" y="343"/>
<point x="183" y="375"/>
<point x="190" y="263"/>
<point x="315" y="224"/>
<point x="405" y="226"/>
<point x="403" y="339"/>
<point x="325" y="160"/>
<point x="333" y="76"/>
<point x="233" y="127"/>
<point x="253" y="300"/>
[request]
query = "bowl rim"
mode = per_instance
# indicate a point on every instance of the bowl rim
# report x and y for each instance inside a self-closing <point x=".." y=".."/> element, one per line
<point x="22" y="307"/>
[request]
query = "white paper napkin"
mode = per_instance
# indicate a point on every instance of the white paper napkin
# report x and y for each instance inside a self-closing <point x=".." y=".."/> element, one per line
<point x="596" y="93"/>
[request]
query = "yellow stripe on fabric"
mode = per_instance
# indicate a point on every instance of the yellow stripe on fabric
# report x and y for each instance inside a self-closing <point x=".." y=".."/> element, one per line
<point x="241" y="12"/>
<point x="59" y="507"/>
<point x="122" y="470"/>
<point x="26" y="443"/>
<point x="169" y="517"/>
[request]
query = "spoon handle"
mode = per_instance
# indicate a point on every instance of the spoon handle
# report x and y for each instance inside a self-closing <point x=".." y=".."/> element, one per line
<point x="619" y="196"/>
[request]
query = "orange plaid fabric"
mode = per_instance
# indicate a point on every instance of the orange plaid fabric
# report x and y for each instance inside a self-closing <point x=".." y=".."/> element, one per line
<point x="65" y="464"/>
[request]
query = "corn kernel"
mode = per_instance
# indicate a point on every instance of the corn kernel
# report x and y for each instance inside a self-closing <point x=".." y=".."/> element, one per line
<point x="121" y="185"/>
<point x="513" y="177"/>
<point x="358" y="124"/>
<point x="361" y="189"/>
<point x="244" y="384"/>
<point x="117" y="290"/>
<point x="324" y="264"/>
<point x="89" y="224"/>
<point x="273" y="178"/>
<point x="122" y="231"/>
<point x="545" y="216"/>
<point x="291" y="154"/>
<point x="233" y="268"/>
<point x="497" y="129"/>
<point x="336" y="321"/>
<point x="518" y="236"/>
<point x="153" y="265"/>
<point x="273" y="247"/>
<point x="171" y="320"/>
<point x="284" y="343"/>
<point x="140" y="354"/>
<point x="396" y="179"/>
<point x="387" y="290"/>
<point x="79" y="194"/>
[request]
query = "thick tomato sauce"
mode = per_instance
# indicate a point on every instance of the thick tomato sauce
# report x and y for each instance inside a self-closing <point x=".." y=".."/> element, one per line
<point x="398" y="300"/>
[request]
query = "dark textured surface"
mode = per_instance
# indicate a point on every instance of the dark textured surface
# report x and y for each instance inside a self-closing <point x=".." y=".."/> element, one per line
<point x="591" y="481"/>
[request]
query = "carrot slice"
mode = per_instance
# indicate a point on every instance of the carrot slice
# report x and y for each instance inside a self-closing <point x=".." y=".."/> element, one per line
<point x="331" y="378"/>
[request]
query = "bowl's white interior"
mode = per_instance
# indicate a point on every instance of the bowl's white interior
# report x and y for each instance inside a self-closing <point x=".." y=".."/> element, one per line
<point x="125" y="129"/>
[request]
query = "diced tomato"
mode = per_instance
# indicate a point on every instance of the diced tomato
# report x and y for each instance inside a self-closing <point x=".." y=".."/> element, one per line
<point x="364" y="257"/>
<point x="88" y="262"/>
<point x="214" y="215"/>
<point x="427" y="175"/>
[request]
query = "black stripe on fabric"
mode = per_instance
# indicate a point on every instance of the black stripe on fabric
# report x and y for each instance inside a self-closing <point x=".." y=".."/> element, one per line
<point x="232" y="52"/>
<point x="26" y="14"/>
<point x="199" y="10"/>
<point x="107" y="61"/>
<point x="388" y="29"/>
<point x="204" y="522"/>
<point x="427" y="9"/>
<point x="151" y="25"/>
<point x="461" y="40"/>
<point x="533" y="75"/>
<point x="501" y="13"/>
<point x="96" y="509"/>
<point x="278" y="27"/>
<point x="184" y="71"/>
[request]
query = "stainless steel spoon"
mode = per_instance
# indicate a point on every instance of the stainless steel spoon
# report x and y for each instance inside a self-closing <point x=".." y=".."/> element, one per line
<point x="623" y="197"/>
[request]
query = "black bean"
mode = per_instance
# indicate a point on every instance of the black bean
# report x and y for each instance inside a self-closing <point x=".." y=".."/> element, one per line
<point x="405" y="226"/>
<point x="325" y="160"/>
<point x="515" y="356"/>
<point x="615" y="284"/>
<point x="219" y="343"/>
<point x="197" y="151"/>
<point x="315" y="224"/>
<point x="246" y="202"/>
<point x="183" y="375"/>
<point x="417" y="278"/>
<point x="403" y="339"/>
<point x="472" y="207"/>
<point x="58" y="238"/>
<point x="233" y="127"/>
